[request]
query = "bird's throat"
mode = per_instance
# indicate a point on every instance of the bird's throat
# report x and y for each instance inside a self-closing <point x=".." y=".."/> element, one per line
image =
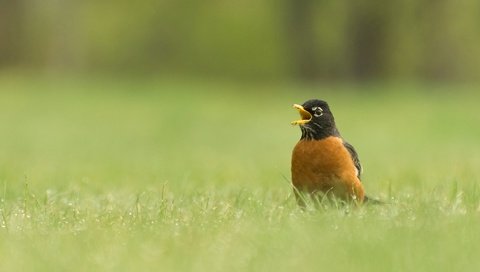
<point x="315" y="131"/>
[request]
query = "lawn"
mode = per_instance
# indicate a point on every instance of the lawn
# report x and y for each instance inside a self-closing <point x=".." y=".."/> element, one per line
<point x="171" y="175"/>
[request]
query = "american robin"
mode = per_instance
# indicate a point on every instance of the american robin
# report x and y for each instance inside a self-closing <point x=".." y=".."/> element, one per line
<point x="322" y="161"/>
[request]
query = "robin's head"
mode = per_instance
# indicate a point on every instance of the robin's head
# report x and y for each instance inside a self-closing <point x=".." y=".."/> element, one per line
<point x="316" y="121"/>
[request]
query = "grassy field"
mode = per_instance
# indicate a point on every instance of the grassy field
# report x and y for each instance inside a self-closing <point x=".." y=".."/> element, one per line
<point x="156" y="175"/>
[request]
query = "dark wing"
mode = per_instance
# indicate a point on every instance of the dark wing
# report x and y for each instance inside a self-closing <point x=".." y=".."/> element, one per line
<point x="356" y="160"/>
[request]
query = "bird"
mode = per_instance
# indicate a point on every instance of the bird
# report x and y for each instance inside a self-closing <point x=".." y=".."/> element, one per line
<point x="323" y="163"/>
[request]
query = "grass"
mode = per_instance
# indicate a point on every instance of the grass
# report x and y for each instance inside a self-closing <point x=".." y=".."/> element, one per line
<point x="156" y="175"/>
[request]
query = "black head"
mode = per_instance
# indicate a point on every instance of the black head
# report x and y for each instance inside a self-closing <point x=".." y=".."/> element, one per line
<point x="317" y="120"/>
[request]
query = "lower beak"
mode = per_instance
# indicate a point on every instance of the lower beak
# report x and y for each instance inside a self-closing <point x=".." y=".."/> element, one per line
<point x="306" y="116"/>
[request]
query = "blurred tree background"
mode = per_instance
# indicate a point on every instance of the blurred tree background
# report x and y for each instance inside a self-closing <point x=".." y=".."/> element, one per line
<point x="284" y="39"/>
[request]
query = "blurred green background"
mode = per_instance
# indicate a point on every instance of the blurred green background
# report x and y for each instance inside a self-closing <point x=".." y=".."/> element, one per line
<point x="248" y="40"/>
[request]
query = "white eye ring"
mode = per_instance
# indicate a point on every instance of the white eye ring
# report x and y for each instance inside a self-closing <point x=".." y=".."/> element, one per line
<point x="317" y="111"/>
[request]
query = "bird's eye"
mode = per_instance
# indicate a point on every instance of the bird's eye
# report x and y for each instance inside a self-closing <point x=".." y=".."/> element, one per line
<point x="317" y="111"/>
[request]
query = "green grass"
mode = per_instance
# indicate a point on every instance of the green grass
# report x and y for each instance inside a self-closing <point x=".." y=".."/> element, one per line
<point x="118" y="175"/>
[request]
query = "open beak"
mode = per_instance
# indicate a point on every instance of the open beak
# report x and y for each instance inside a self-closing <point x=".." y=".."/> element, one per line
<point x="306" y="116"/>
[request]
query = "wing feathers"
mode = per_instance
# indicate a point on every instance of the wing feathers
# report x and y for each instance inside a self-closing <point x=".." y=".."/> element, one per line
<point x="356" y="160"/>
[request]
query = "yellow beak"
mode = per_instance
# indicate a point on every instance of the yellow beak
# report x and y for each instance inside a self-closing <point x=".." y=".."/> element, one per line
<point x="306" y="116"/>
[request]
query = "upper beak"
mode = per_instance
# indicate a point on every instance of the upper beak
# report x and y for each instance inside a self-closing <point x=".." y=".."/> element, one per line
<point x="306" y="116"/>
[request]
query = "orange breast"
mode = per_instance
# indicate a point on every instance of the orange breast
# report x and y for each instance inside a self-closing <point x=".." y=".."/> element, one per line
<point x="326" y="166"/>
